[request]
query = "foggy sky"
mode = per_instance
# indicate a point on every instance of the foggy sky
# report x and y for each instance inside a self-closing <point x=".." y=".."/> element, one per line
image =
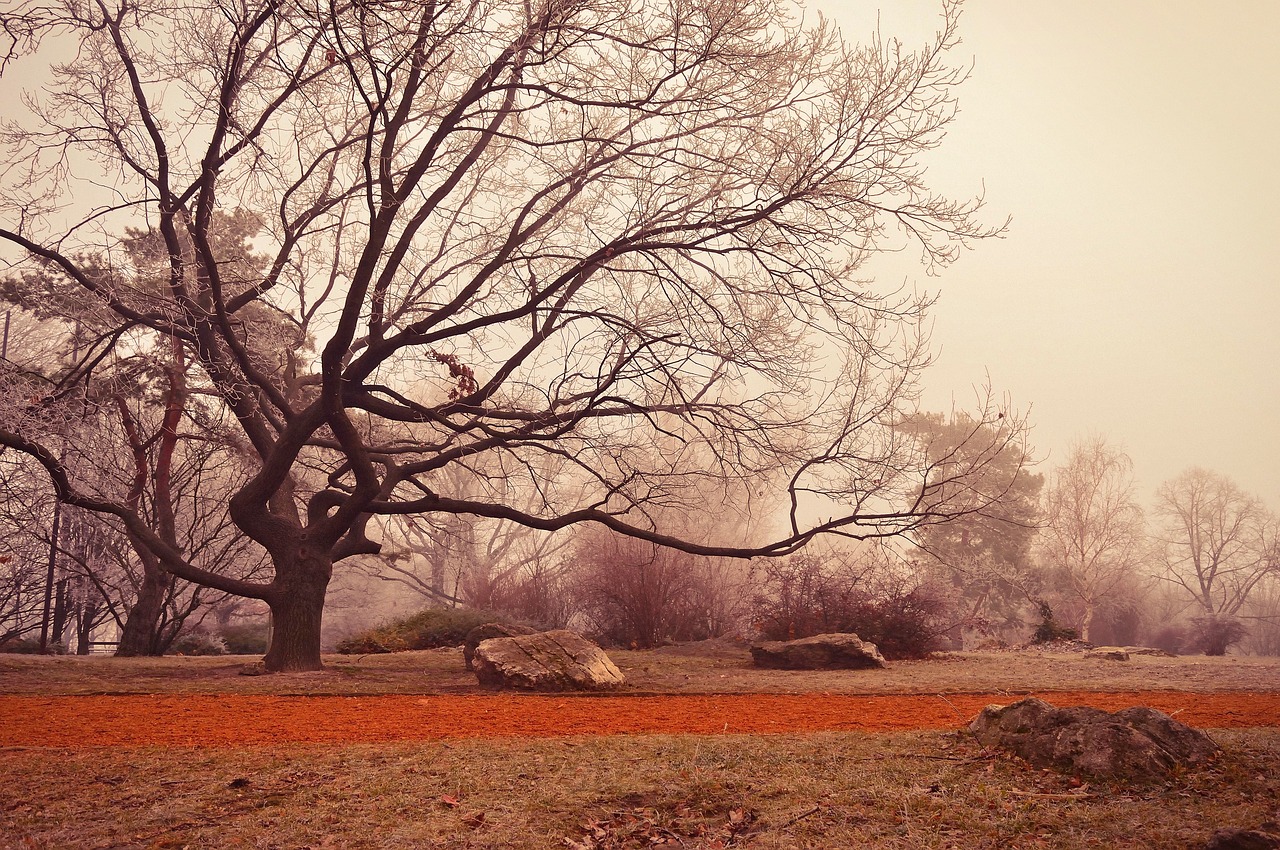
<point x="1136" y="294"/>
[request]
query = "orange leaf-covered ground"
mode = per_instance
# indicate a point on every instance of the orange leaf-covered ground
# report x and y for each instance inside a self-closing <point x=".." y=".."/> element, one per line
<point x="229" y="720"/>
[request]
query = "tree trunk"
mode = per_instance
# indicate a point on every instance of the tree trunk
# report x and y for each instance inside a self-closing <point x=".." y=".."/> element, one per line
<point x="1087" y="623"/>
<point x="139" y="634"/>
<point x="297" y="606"/>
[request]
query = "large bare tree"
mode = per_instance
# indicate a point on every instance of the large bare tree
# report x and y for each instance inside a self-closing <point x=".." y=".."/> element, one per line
<point x="576" y="228"/>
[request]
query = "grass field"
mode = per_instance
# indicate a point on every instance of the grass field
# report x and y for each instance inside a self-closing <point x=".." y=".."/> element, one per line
<point x="899" y="790"/>
<point x="710" y="667"/>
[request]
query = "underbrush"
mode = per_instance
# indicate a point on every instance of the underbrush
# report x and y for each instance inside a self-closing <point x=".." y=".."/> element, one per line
<point x="918" y="790"/>
<point x="430" y="628"/>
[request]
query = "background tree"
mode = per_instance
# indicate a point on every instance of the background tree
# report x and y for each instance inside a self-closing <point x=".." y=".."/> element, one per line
<point x="454" y="559"/>
<point x="1094" y="536"/>
<point x="568" y="228"/>
<point x="985" y="555"/>
<point x="118" y="420"/>
<point x="1216" y="542"/>
<point x="1262" y="617"/>
<point x="25" y="510"/>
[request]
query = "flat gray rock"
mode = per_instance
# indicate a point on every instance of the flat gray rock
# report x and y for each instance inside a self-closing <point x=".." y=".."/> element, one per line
<point x="820" y="652"/>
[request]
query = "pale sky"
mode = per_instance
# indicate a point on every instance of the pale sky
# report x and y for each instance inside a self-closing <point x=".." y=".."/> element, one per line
<point x="1136" y="294"/>
<point x="1134" y="143"/>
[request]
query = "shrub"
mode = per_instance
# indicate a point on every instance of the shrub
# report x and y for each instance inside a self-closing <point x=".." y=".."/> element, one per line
<point x="198" y="643"/>
<point x="901" y="625"/>
<point x="427" y="629"/>
<point x="1049" y="629"/>
<point x="1216" y="633"/>
<point x="1172" y="639"/>
<point x="806" y="596"/>
<point x="245" y="638"/>
<point x="21" y="646"/>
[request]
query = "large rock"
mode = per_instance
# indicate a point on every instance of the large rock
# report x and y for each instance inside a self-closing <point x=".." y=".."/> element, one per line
<point x="1135" y="743"/>
<point x="486" y="631"/>
<point x="1243" y="839"/>
<point x="820" y="652"/>
<point x="547" y="661"/>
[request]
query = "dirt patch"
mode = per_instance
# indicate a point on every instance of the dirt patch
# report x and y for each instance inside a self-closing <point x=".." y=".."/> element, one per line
<point x="232" y="720"/>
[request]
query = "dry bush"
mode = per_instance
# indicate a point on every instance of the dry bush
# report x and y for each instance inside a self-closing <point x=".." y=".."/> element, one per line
<point x="811" y="594"/>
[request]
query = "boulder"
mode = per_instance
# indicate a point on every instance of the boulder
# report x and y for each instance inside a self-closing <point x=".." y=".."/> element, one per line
<point x="1135" y="743"/>
<point x="820" y="652"/>
<point x="547" y="661"/>
<point x="483" y="632"/>
<point x="1243" y="839"/>
<point x="1110" y="653"/>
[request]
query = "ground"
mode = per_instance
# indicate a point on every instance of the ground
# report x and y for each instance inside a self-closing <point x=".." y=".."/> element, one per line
<point x="700" y="750"/>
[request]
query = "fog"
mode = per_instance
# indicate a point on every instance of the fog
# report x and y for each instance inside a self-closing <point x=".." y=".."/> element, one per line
<point x="1135" y="293"/>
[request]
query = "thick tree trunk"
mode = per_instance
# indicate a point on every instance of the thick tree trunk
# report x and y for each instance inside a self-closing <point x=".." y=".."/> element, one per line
<point x="297" y="606"/>
<point x="139" y="634"/>
<point x="1086" y="624"/>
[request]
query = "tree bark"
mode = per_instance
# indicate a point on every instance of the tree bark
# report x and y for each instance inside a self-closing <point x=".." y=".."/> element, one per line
<point x="297" y="607"/>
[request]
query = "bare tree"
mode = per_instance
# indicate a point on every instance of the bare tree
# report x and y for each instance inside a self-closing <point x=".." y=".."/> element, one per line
<point x="569" y="228"/>
<point x="1218" y="541"/>
<point x="455" y="559"/>
<point x="1094" y="533"/>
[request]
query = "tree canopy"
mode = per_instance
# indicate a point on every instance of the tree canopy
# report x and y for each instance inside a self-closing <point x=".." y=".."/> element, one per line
<point x="583" y="231"/>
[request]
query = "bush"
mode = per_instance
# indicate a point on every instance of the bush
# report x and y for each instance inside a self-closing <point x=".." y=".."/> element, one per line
<point x="1215" y="634"/>
<point x="22" y="646"/>
<point x="427" y="629"/>
<point x="1172" y="639"/>
<point x="245" y="639"/>
<point x="1049" y="630"/>
<point x="805" y="596"/>
<point x="198" y="643"/>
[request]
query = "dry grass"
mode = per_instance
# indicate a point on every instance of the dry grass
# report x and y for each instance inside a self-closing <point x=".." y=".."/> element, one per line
<point x="909" y="790"/>
<point x="713" y="667"/>
<point x="825" y="790"/>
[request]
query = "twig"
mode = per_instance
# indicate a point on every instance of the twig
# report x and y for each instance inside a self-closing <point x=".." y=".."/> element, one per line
<point x="960" y="759"/>
<point x="801" y="817"/>
<point x="1049" y="796"/>
<point x="958" y="712"/>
